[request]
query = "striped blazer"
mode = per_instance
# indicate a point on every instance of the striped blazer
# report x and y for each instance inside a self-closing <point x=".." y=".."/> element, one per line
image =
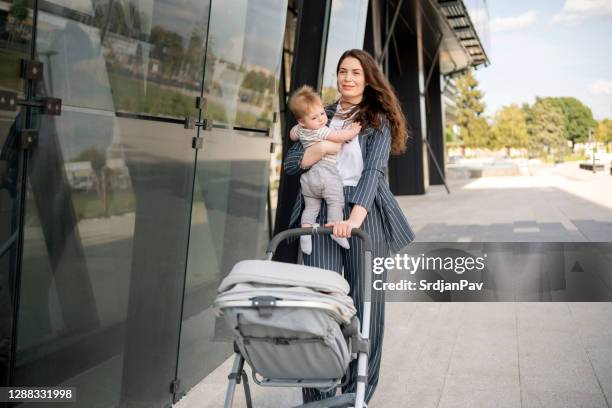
<point x="372" y="188"/>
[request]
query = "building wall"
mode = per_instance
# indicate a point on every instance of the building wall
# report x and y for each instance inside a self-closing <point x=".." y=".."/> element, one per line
<point x="119" y="270"/>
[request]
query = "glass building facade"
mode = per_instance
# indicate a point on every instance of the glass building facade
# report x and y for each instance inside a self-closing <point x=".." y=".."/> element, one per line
<point x="120" y="215"/>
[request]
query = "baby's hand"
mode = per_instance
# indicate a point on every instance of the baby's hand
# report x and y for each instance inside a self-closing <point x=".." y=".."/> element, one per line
<point x="355" y="127"/>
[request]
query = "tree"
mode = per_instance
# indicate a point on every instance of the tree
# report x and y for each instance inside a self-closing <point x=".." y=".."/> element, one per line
<point x="510" y="128"/>
<point x="97" y="158"/>
<point x="168" y="49"/>
<point x="18" y="13"/>
<point x="547" y="133"/>
<point x="19" y="10"/>
<point x="474" y="129"/>
<point x="577" y="118"/>
<point x="603" y="132"/>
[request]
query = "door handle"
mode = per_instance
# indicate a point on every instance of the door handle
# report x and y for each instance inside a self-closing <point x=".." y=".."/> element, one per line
<point x="48" y="106"/>
<point x="191" y="123"/>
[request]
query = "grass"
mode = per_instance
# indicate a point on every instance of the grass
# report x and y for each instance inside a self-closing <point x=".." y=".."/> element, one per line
<point x="10" y="71"/>
<point x="89" y="205"/>
<point x="129" y="95"/>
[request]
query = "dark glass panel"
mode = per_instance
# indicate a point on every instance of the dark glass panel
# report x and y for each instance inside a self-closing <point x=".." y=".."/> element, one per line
<point x="15" y="42"/>
<point x="229" y="209"/>
<point x="109" y="198"/>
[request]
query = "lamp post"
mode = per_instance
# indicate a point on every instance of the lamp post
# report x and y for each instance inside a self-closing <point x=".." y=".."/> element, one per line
<point x="592" y="142"/>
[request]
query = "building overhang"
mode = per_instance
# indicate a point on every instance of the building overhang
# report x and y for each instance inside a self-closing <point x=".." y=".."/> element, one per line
<point x="462" y="46"/>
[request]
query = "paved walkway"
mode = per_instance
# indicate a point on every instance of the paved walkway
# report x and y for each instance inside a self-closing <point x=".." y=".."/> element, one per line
<point x="549" y="204"/>
<point x="488" y="354"/>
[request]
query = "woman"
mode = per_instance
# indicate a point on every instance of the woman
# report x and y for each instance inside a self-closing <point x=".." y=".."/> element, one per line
<point x="367" y="98"/>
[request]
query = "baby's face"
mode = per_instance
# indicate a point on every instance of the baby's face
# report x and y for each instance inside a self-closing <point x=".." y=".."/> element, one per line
<point x="315" y="119"/>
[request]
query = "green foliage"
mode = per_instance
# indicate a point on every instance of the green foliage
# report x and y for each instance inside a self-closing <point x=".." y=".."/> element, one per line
<point x="10" y="70"/>
<point x="19" y="10"/>
<point x="87" y="205"/>
<point x="258" y="81"/>
<point x="93" y="155"/>
<point x="510" y="128"/>
<point x="547" y="126"/>
<point x="449" y="135"/>
<point x="603" y="133"/>
<point x="474" y="127"/>
<point x="577" y="118"/>
<point x="130" y="95"/>
<point x="168" y="49"/>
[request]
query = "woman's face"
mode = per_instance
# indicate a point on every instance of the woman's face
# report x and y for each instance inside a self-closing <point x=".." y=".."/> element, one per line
<point x="351" y="80"/>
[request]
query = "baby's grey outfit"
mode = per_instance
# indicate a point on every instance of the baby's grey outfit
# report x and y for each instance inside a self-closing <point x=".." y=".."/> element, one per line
<point x="322" y="181"/>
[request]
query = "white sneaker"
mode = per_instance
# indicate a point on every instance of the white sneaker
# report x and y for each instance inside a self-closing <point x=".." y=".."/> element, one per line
<point x="306" y="244"/>
<point x="343" y="242"/>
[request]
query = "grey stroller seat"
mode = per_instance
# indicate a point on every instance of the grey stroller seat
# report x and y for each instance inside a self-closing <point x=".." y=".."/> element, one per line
<point x="295" y="325"/>
<point x="304" y="342"/>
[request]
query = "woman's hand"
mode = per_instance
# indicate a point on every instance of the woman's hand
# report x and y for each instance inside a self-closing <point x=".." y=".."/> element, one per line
<point x="342" y="229"/>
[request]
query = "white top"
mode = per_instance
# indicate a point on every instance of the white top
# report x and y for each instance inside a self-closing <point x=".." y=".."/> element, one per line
<point x="308" y="137"/>
<point x="349" y="160"/>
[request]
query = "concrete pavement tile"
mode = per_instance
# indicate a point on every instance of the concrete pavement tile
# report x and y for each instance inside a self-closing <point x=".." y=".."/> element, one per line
<point x="210" y="393"/>
<point x="471" y="391"/>
<point x="539" y="394"/>
<point x="592" y="321"/>
<point x="554" y="366"/>
<point x="416" y="357"/>
<point x="485" y="361"/>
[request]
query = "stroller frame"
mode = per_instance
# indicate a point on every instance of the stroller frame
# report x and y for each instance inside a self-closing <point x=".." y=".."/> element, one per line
<point x="359" y="336"/>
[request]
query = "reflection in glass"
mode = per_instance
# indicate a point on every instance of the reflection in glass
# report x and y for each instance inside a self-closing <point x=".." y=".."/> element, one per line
<point x="228" y="224"/>
<point x="15" y="41"/>
<point x="151" y="57"/>
<point x="346" y="31"/>
<point x="109" y="197"/>
<point x="228" y="221"/>
<point x="289" y="44"/>
<point x="243" y="62"/>
<point x="284" y="91"/>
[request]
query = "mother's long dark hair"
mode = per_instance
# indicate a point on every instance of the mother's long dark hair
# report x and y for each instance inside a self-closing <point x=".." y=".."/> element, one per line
<point x="378" y="97"/>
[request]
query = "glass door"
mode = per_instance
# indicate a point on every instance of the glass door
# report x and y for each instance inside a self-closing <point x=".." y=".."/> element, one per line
<point x="109" y="198"/>
<point x="16" y="28"/>
<point x="229" y="221"/>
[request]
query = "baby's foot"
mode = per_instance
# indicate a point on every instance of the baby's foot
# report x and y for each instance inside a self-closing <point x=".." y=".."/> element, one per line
<point x="343" y="242"/>
<point x="306" y="244"/>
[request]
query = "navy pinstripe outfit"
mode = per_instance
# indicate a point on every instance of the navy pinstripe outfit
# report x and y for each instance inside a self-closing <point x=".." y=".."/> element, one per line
<point x="386" y="225"/>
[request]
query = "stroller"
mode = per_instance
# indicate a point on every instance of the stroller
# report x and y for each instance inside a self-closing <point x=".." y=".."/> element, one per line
<point x="295" y="325"/>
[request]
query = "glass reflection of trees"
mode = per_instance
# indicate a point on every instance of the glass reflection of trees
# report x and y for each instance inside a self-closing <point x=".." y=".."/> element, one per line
<point x="243" y="62"/>
<point x="153" y="54"/>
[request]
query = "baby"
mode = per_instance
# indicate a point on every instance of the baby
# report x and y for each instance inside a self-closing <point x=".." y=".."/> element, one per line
<point x="322" y="181"/>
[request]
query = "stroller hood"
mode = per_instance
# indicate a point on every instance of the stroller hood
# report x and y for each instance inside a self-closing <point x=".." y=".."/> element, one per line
<point x="285" y="274"/>
<point x="285" y="281"/>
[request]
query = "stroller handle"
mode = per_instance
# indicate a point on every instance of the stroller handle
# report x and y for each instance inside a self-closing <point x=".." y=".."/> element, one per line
<point x="296" y="232"/>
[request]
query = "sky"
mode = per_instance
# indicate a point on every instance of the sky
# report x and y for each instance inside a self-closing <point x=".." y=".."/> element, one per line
<point x="549" y="48"/>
